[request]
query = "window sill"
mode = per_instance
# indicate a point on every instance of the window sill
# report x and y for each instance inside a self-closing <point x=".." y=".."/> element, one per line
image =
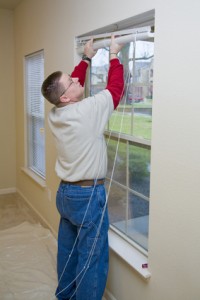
<point x="133" y="256"/>
<point x="40" y="181"/>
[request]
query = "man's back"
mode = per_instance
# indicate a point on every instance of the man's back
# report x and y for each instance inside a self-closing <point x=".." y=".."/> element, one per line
<point x="78" y="130"/>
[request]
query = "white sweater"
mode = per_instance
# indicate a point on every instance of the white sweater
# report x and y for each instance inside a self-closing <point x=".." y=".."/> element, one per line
<point x="78" y="130"/>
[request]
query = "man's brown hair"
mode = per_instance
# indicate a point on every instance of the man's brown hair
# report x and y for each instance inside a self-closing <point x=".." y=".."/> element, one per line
<point x="51" y="88"/>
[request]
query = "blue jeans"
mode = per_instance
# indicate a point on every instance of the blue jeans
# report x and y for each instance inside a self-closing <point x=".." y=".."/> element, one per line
<point x="82" y="260"/>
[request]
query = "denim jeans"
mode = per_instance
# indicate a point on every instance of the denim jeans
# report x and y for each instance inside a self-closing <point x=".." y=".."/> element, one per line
<point x="82" y="259"/>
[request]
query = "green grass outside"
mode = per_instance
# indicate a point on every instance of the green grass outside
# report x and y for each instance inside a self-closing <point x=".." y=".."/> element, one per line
<point x="141" y="125"/>
<point x="143" y="104"/>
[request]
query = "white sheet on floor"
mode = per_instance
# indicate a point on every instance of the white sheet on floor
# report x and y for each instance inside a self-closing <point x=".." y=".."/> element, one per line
<point x="27" y="263"/>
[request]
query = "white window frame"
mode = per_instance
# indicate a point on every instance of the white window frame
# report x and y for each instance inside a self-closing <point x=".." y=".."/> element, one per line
<point x="128" y="250"/>
<point x="34" y="117"/>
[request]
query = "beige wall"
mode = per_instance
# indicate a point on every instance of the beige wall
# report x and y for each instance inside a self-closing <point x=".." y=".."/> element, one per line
<point x="7" y="103"/>
<point x="174" y="239"/>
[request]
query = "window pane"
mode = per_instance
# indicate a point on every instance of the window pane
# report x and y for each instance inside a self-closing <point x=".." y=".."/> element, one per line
<point x="134" y="114"/>
<point x="139" y="169"/>
<point x="121" y="120"/>
<point x="117" y="203"/>
<point x="137" y="223"/>
<point x="119" y="172"/>
<point x="99" y="71"/>
<point x="129" y="214"/>
<point x="141" y="89"/>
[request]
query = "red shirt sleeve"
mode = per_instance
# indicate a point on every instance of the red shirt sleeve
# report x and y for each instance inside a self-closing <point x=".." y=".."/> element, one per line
<point x="115" y="83"/>
<point x="80" y="72"/>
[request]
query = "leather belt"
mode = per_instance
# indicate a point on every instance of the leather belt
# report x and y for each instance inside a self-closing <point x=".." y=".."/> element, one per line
<point x="88" y="182"/>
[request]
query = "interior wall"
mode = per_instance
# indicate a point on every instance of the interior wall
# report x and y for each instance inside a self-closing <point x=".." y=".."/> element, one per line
<point x="174" y="240"/>
<point x="7" y="103"/>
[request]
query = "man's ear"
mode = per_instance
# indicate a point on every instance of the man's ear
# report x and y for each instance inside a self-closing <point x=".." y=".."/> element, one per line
<point x="64" y="99"/>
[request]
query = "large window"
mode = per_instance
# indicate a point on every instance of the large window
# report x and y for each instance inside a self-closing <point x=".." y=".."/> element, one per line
<point x="128" y="132"/>
<point x="34" y="76"/>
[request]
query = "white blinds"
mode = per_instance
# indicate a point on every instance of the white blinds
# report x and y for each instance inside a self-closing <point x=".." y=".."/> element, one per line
<point x="126" y="36"/>
<point x="34" y="75"/>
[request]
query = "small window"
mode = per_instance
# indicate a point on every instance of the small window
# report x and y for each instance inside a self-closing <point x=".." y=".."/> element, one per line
<point x="34" y="76"/>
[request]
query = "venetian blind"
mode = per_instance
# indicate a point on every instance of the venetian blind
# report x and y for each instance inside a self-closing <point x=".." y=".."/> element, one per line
<point x="34" y="76"/>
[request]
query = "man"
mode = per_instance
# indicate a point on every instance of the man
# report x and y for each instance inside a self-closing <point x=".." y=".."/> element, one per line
<point x="78" y="127"/>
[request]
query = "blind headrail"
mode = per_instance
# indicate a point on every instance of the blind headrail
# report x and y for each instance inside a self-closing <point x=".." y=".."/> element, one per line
<point x="120" y="40"/>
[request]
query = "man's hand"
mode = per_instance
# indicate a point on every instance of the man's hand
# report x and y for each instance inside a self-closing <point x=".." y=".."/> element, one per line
<point x="114" y="47"/>
<point x="88" y="49"/>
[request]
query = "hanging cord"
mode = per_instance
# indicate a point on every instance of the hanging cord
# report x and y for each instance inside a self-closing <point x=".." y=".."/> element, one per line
<point x="84" y="269"/>
<point x="105" y="205"/>
<point x="111" y="179"/>
<point x="105" y="152"/>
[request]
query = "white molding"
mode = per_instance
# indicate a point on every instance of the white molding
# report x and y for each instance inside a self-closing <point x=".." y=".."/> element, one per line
<point x="135" y="258"/>
<point x="7" y="191"/>
<point x="108" y="295"/>
<point x="39" y="180"/>
<point x="38" y="213"/>
<point x="141" y="20"/>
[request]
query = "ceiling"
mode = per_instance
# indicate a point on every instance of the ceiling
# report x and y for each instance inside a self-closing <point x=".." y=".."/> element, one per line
<point x="9" y="4"/>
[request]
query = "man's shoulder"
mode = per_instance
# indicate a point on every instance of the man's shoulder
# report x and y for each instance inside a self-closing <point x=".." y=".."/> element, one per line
<point x="102" y="95"/>
<point x="99" y="102"/>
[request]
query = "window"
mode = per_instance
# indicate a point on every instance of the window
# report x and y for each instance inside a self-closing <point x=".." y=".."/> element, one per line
<point x="128" y="132"/>
<point x="129" y="193"/>
<point x="34" y="76"/>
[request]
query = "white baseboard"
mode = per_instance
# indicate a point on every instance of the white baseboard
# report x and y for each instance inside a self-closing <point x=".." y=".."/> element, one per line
<point x="7" y="191"/>
<point x="39" y="215"/>
<point x="108" y="295"/>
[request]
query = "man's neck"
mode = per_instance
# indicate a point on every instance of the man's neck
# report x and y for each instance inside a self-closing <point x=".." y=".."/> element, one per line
<point x="62" y="104"/>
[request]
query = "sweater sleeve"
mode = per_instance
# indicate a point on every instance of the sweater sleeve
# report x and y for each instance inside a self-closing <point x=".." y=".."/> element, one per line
<point x="115" y="83"/>
<point x="80" y="72"/>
